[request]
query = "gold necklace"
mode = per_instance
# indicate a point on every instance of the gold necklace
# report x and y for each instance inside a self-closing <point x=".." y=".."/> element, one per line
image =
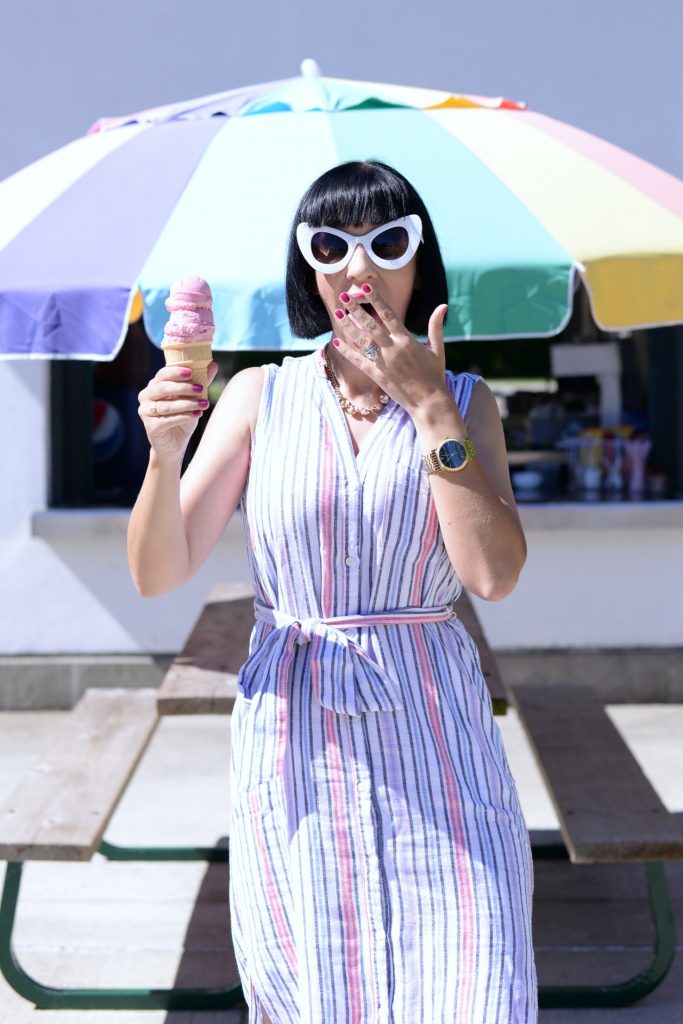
<point x="347" y="405"/>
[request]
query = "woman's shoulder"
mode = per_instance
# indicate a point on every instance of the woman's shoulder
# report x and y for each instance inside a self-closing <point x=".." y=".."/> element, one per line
<point x="247" y="384"/>
<point x="241" y="397"/>
<point x="461" y="386"/>
<point x="464" y="378"/>
<point x="278" y="378"/>
<point x="255" y="385"/>
<point x="251" y="381"/>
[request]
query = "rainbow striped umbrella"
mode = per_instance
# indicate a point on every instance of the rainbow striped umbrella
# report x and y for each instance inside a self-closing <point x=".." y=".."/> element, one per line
<point x="523" y="205"/>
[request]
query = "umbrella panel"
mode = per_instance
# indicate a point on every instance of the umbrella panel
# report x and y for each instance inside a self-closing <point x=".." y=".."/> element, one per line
<point x="507" y="275"/>
<point x="520" y="203"/>
<point x="66" y="278"/>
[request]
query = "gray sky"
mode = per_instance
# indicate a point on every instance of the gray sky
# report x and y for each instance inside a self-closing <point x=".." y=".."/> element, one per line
<point x="612" y="67"/>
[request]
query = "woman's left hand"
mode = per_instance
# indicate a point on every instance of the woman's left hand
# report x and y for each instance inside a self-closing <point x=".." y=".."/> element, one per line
<point x="409" y="371"/>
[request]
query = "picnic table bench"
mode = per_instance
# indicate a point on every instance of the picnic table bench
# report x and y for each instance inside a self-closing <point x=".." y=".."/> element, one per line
<point x="608" y="810"/>
<point x="608" y="813"/>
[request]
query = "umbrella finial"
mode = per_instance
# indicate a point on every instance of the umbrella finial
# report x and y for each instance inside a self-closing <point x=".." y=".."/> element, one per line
<point x="310" y="68"/>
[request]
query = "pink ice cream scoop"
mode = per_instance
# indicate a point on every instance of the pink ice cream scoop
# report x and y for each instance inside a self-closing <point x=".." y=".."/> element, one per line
<point x="191" y="318"/>
<point x="189" y="325"/>
<point x="190" y="328"/>
<point x="189" y="293"/>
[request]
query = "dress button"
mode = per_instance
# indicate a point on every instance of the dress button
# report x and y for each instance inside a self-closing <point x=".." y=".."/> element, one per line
<point x="350" y="560"/>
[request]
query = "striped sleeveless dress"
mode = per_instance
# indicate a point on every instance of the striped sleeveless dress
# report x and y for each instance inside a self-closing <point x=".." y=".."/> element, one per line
<point x="379" y="862"/>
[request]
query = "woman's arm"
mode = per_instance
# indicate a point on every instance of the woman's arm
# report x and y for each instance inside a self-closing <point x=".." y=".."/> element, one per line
<point x="476" y="508"/>
<point x="175" y="523"/>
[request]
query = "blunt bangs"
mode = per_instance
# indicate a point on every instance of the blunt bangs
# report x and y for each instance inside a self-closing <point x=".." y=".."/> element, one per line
<point x="349" y="195"/>
<point x="360" y="193"/>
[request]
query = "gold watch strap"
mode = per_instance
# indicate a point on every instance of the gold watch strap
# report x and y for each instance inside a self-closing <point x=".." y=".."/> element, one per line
<point x="431" y="459"/>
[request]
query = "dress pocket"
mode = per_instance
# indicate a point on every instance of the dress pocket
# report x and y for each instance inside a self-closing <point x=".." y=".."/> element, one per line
<point x="262" y="886"/>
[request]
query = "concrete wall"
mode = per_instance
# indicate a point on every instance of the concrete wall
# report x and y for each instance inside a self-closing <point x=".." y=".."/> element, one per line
<point x="596" y="576"/>
<point x="64" y="585"/>
<point x="611" y="67"/>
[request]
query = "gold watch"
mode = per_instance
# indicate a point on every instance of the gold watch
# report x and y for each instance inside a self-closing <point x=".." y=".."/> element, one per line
<point x="452" y="455"/>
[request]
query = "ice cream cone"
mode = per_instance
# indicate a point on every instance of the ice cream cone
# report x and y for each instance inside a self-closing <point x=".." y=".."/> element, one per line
<point x="189" y="331"/>
<point x="195" y="355"/>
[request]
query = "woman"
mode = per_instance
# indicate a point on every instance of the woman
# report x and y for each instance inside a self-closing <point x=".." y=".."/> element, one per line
<point x="380" y="866"/>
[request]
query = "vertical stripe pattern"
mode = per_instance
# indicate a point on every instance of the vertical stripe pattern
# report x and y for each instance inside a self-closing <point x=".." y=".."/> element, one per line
<point x="380" y="867"/>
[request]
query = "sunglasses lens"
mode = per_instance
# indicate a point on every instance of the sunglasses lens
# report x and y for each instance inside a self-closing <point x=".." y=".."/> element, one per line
<point x="328" y="248"/>
<point x="391" y="244"/>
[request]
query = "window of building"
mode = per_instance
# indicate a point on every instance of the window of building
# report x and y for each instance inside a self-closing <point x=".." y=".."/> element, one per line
<point x="559" y="443"/>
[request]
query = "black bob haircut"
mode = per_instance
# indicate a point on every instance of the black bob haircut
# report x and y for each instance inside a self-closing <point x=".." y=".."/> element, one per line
<point x="349" y="195"/>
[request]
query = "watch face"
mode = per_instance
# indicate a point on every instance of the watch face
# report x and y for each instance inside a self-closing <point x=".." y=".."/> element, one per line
<point x="452" y="454"/>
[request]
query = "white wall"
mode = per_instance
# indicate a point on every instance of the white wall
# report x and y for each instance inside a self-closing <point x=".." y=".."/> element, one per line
<point x="601" y="587"/>
<point x="586" y="585"/>
<point x="71" y="593"/>
<point x="605" y="66"/>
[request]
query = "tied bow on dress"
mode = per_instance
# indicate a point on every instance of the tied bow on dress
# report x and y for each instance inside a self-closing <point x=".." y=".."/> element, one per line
<point x="345" y="678"/>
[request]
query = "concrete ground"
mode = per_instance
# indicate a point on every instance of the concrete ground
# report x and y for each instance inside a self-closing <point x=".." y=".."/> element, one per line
<point x="119" y="924"/>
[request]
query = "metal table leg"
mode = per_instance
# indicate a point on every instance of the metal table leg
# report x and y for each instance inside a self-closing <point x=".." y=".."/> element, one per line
<point x="645" y="981"/>
<point x="550" y="997"/>
<point x="46" y="997"/>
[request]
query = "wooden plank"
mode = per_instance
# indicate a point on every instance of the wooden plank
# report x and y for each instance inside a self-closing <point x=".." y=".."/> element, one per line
<point x="202" y="679"/>
<point x="59" y="811"/>
<point x="608" y="810"/>
<point x="489" y="666"/>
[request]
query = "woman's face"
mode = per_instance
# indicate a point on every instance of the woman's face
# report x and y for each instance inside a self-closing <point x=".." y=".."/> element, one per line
<point x="394" y="286"/>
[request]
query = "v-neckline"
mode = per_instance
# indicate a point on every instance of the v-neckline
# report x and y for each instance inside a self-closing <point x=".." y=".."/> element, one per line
<point x="336" y="413"/>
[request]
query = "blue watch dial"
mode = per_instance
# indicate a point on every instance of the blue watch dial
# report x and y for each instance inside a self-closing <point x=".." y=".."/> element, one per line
<point x="453" y="454"/>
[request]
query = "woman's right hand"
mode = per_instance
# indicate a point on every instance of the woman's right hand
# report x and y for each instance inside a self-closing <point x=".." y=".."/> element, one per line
<point x="170" y="408"/>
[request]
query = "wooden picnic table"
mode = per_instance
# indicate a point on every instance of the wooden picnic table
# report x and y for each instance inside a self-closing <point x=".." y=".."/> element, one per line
<point x="607" y="809"/>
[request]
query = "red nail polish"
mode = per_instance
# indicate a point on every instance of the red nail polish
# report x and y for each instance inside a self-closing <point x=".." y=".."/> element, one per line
<point x="197" y="412"/>
<point x="367" y="288"/>
<point x="197" y="387"/>
<point x="186" y="372"/>
<point x="339" y="313"/>
<point x="336" y="341"/>
<point x="345" y="297"/>
<point x="203" y="403"/>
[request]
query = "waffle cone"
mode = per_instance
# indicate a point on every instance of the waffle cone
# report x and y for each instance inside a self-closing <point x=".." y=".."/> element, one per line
<point x="196" y="355"/>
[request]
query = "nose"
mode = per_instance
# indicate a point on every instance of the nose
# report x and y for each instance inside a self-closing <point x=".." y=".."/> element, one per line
<point x="360" y="266"/>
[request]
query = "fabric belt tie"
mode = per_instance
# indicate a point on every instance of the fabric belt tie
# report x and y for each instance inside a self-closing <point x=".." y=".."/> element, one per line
<point x="345" y="678"/>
